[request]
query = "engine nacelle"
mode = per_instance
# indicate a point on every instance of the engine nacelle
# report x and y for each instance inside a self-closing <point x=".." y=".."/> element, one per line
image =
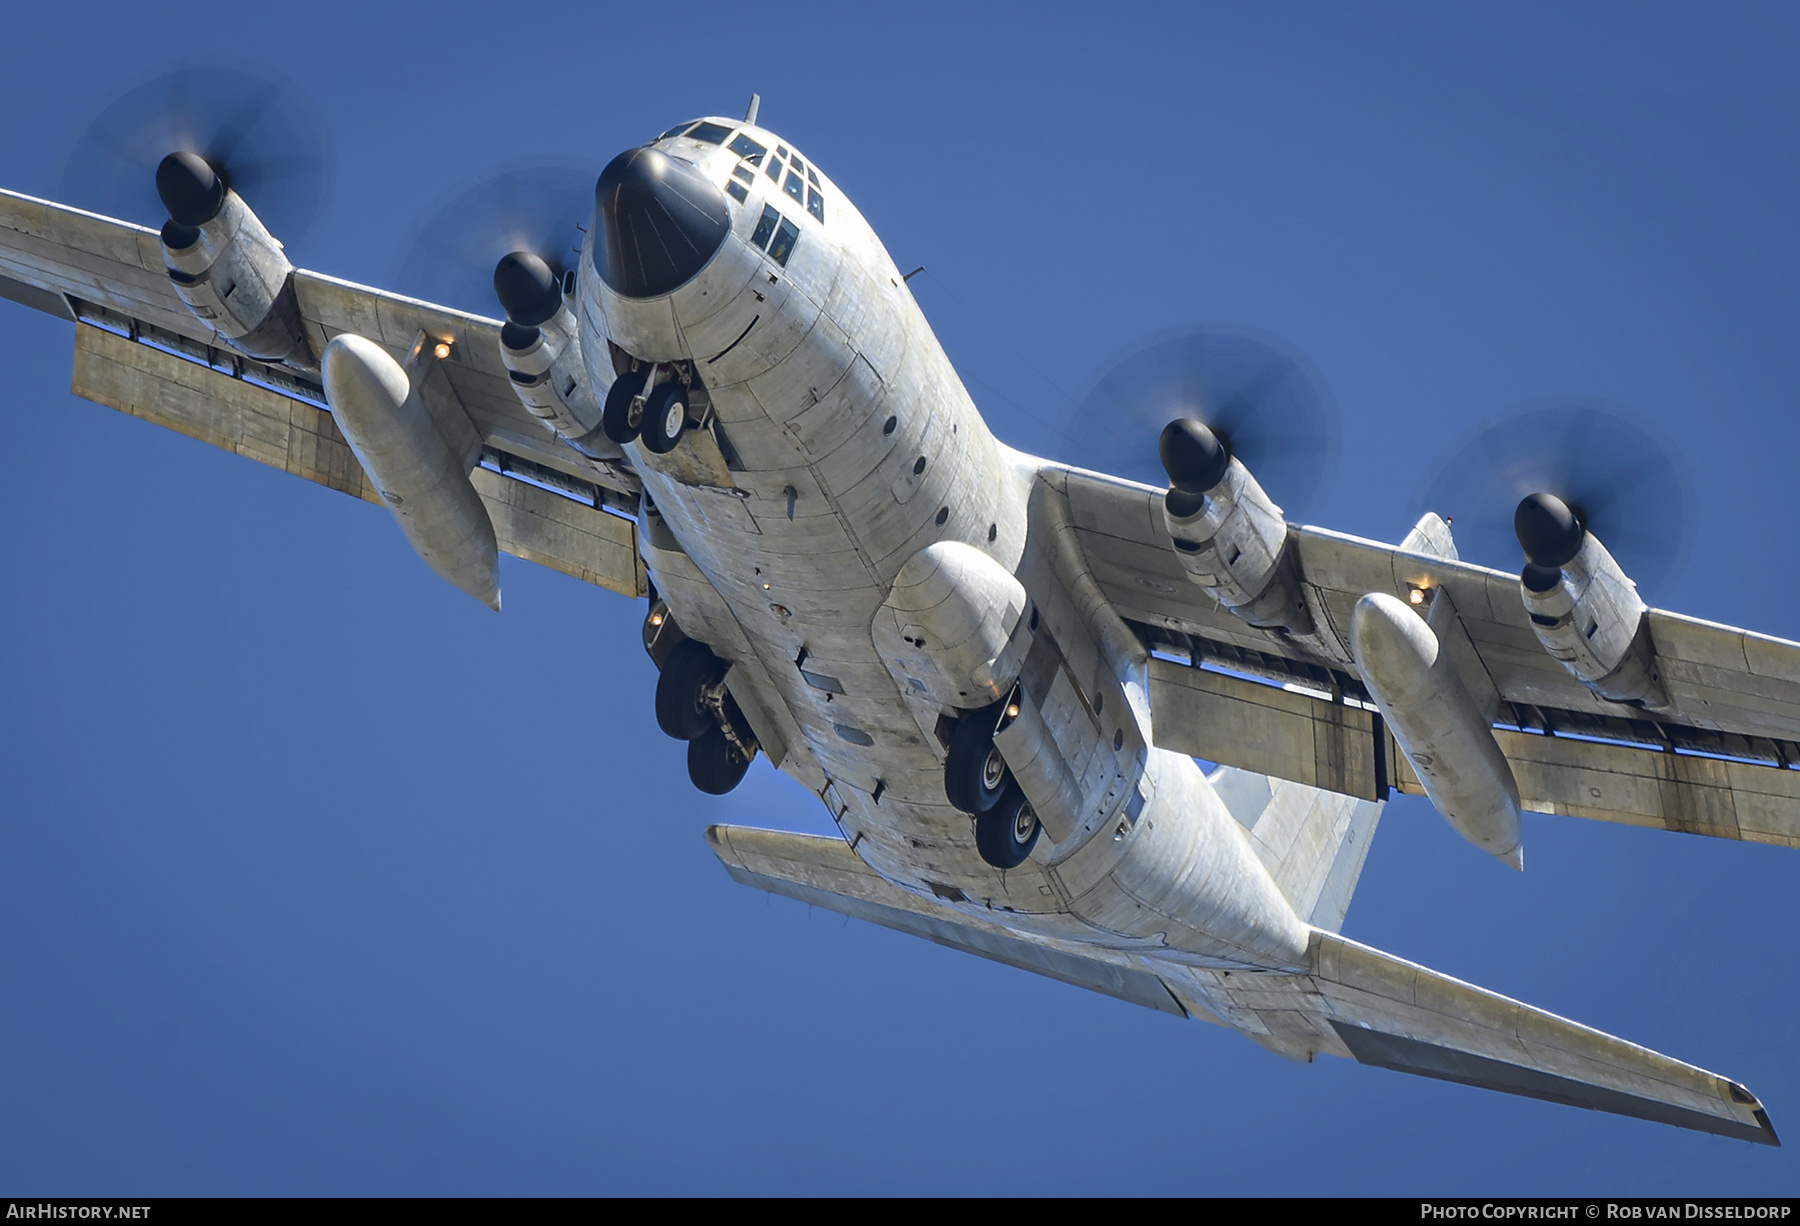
<point x="1230" y="536"/>
<point x="541" y="349"/>
<point x="226" y="266"/>
<point x="1584" y="609"/>
<point x="953" y="627"/>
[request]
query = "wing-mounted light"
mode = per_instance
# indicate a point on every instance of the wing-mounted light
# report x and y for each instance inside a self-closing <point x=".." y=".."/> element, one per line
<point x="541" y="348"/>
<point x="225" y="265"/>
<point x="1230" y="536"/>
<point x="1583" y="608"/>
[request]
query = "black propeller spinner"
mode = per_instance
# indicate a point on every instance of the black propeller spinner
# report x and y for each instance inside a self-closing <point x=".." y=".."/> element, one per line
<point x="191" y="132"/>
<point x="1246" y="394"/>
<point x="1539" y="477"/>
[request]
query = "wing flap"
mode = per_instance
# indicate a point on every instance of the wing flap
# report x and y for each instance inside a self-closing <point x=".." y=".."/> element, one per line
<point x="239" y="416"/>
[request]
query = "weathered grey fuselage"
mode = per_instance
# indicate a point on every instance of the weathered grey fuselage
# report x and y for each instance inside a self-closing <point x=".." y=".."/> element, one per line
<point x="855" y="447"/>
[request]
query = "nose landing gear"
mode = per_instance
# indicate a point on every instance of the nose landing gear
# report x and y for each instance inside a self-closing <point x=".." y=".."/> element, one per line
<point x="650" y="403"/>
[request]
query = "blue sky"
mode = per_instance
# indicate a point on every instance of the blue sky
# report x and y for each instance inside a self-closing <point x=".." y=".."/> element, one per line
<point x="316" y="877"/>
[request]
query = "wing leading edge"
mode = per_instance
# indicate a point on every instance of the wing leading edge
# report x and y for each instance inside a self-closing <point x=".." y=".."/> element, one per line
<point x="1723" y="764"/>
<point x="140" y="351"/>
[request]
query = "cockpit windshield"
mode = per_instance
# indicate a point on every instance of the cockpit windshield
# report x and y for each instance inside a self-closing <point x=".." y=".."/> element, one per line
<point x="711" y="133"/>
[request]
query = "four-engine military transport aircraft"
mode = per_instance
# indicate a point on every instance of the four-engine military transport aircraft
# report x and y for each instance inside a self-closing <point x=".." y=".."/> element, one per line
<point x="995" y="671"/>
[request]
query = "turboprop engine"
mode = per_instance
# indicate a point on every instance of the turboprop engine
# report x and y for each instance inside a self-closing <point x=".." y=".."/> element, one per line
<point x="1230" y="536"/>
<point x="541" y="349"/>
<point x="1584" y="609"/>
<point x="226" y="266"/>
<point x="953" y="628"/>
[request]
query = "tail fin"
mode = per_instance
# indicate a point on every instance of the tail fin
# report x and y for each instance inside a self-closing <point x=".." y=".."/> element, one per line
<point x="1313" y="842"/>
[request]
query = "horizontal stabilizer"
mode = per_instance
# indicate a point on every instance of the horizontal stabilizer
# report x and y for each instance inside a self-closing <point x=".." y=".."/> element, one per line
<point x="824" y="872"/>
<point x="1396" y="1015"/>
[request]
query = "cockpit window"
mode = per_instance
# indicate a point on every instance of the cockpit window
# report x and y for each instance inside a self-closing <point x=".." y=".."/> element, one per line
<point x="775" y="168"/>
<point x="711" y="133"/>
<point x="786" y="235"/>
<point x="797" y="164"/>
<point x="815" y="203"/>
<point x="765" y="226"/>
<point x="811" y="177"/>
<point x="677" y="130"/>
<point x="795" y="186"/>
<point x="737" y="192"/>
<point x="780" y="151"/>
<point x="742" y="172"/>
<point x="748" y="149"/>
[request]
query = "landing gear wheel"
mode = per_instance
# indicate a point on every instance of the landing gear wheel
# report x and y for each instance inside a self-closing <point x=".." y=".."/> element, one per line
<point x="975" y="775"/>
<point x="665" y="416"/>
<point x="1006" y="833"/>
<point x="714" y="763"/>
<point x="615" y="421"/>
<point x="690" y="668"/>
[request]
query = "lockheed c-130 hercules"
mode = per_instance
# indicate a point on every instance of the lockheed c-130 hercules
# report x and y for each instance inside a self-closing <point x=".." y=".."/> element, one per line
<point x="996" y="671"/>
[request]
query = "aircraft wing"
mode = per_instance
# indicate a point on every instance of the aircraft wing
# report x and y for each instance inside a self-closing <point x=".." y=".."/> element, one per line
<point x="1227" y="692"/>
<point x="139" y="350"/>
<point x="1356" y="1002"/>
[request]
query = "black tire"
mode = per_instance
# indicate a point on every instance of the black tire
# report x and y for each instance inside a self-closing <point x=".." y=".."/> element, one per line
<point x="714" y="764"/>
<point x="665" y="417"/>
<point x="1006" y="833"/>
<point x="615" y="419"/>
<point x="975" y="775"/>
<point x="690" y="668"/>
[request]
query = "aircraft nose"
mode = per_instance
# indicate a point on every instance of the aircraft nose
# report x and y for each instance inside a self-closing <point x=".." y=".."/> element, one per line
<point x="660" y="221"/>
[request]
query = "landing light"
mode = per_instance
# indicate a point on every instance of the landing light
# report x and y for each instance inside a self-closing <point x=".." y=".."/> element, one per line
<point x="1012" y="710"/>
<point x="442" y="350"/>
<point x="656" y="619"/>
<point x="1416" y="596"/>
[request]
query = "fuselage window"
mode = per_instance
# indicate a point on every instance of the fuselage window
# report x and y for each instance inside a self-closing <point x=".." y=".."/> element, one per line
<point x="677" y="130"/>
<point x="748" y="149"/>
<point x="736" y="192"/>
<point x="711" y="133"/>
<point x="786" y="235"/>
<point x="795" y="186"/>
<point x="742" y="173"/>
<point x="815" y="203"/>
<point x="765" y="227"/>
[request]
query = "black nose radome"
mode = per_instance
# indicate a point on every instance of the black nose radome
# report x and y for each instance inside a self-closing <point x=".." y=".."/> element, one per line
<point x="1194" y="457"/>
<point x="529" y="290"/>
<point x="1549" y="530"/>
<point x="661" y="220"/>
<point x="190" y="189"/>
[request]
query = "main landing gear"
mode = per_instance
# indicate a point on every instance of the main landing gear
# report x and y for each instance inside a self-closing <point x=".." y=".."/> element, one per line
<point x="977" y="781"/>
<point x="693" y="705"/>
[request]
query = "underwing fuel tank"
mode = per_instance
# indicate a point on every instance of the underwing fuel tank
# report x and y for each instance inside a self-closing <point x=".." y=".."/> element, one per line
<point x="422" y="481"/>
<point x="1438" y="724"/>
